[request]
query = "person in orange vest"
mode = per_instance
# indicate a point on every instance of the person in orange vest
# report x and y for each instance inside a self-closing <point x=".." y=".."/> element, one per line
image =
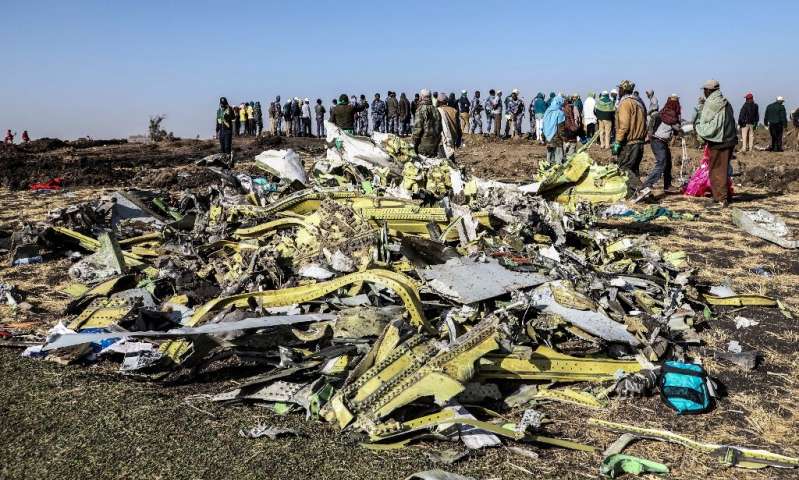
<point x="25" y="137"/>
<point x="9" y="137"/>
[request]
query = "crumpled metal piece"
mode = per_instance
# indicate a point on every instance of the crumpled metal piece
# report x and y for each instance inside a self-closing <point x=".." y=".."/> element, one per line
<point x="262" y="430"/>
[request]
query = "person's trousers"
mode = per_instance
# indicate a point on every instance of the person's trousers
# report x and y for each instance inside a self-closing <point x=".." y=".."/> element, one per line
<point x="290" y="127"/>
<point x="379" y="124"/>
<point x="605" y="126"/>
<point x="225" y="140"/>
<point x="518" y="122"/>
<point x="306" y="126"/>
<point x="477" y="124"/>
<point x="719" y="173"/>
<point x="405" y="126"/>
<point x="662" y="168"/>
<point x="497" y="123"/>
<point x="590" y="130"/>
<point x="320" y="127"/>
<point x="510" y="127"/>
<point x="776" y="136"/>
<point x="539" y="127"/>
<point x="555" y="155"/>
<point x="393" y="124"/>
<point x="464" y="119"/>
<point x="569" y="148"/>
<point x="630" y="160"/>
<point x="489" y="123"/>
<point x="747" y="138"/>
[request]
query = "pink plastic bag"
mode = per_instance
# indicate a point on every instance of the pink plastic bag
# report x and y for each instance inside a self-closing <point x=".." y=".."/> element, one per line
<point x="699" y="184"/>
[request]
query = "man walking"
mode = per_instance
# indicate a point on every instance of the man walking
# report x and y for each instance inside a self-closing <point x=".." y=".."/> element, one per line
<point x="630" y="132"/>
<point x="717" y="127"/>
<point x="665" y="124"/>
<point x="464" y="106"/>
<point x="748" y="120"/>
<point x="776" y="119"/>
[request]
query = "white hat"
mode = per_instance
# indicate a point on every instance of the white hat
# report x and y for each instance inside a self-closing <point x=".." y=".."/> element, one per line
<point x="780" y="99"/>
<point x="463" y="91"/>
<point x="424" y="92"/>
<point x="306" y="99"/>
<point x="674" y="95"/>
<point x="604" y="92"/>
<point x="515" y="90"/>
<point x="614" y="91"/>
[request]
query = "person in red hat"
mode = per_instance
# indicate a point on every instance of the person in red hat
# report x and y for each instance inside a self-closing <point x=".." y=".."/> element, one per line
<point x="747" y="120"/>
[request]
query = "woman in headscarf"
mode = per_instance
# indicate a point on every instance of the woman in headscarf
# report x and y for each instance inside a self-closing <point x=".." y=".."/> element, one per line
<point x="554" y="124"/>
<point x="605" y="111"/>
<point x="666" y="123"/>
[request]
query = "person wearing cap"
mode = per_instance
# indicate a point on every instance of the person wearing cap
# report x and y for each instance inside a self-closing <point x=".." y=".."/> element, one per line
<point x="476" y="114"/>
<point x="451" y="133"/>
<point x="589" y="117"/>
<point x="404" y="115"/>
<point x="717" y="128"/>
<point x="392" y="113"/>
<point x="464" y="105"/>
<point x="344" y="113"/>
<point x="225" y="119"/>
<point x="630" y="132"/>
<point x="426" y="126"/>
<point x="378" y="114"/>
<point x="747" y="120"/>
<point x="605" y="112"/>
<point x="776" y="119"/>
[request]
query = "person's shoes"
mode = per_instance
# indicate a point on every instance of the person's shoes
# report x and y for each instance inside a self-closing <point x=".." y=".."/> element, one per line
<point x="671" y="191"/>
<point x="641" y="194"/>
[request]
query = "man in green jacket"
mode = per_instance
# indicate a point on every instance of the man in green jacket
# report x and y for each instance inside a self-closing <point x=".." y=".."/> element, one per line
<point x="343" y="114"/>
<point x="716" y="126"/>
<point x="426" y="126"/>
<point x="776" y="119"/>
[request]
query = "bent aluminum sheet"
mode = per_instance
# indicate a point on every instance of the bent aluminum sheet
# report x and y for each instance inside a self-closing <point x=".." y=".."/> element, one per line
<point x="70" y="340"/>
<point x="469" y="281"/>
<point x="595" y="323"/>
<point x="765" y="225"/>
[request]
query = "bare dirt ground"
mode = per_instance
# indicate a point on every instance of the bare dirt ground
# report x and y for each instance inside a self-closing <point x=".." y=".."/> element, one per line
<point x="77" y="422"/>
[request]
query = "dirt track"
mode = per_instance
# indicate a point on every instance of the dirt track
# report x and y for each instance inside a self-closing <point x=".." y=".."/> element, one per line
<point x="74" y="422"/>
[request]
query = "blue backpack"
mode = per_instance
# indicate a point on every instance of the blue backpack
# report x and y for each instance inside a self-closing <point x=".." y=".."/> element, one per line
<point x="683" y="387"/>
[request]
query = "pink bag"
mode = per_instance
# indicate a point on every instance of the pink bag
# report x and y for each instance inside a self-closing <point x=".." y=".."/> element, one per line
<point x="699" y="184"/>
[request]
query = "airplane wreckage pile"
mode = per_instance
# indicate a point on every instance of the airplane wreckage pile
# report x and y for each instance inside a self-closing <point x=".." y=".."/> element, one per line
<point x="393" y="296"/>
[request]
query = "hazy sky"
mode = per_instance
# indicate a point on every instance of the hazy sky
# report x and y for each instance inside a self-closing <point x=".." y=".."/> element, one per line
<point x="100" y="68"/>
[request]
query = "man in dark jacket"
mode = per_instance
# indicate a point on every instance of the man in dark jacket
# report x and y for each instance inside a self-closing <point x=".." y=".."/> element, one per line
<point x="344" y="114"/>
<point x="404" y="115"/>
<point x="464" y="105"/>
<point x="392" y="113"/>
<point x="224" y="126"/>
<point x="748" y="120"/>
<point x="776" y="119"/>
